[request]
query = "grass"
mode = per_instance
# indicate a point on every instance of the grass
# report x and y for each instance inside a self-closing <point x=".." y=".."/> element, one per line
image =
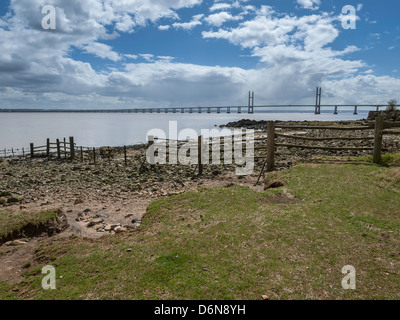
<point x="236" y="243"/>
<point x="15" y="221"/>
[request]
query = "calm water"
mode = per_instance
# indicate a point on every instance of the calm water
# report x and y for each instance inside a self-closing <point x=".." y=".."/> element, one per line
<point x="17" y="130"/>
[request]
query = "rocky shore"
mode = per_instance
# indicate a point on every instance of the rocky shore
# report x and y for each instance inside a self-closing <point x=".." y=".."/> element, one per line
<point x="109" y="197"/>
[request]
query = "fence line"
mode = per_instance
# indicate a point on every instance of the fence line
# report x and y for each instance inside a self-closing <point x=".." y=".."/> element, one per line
<point x="264" y="146"/>
<point x="378" y="139"/>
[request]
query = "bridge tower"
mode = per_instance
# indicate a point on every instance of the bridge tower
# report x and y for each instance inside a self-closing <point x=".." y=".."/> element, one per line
<point x="318" y="101"/>
<point x="251" y="102"/>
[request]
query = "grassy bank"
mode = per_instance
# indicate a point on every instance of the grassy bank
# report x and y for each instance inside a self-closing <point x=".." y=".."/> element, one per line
<point x="14" y="222"/>
<point x="235" y="243"/>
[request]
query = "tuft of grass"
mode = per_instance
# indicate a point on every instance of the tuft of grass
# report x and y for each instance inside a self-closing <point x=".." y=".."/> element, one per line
<point x="234" y="243"/>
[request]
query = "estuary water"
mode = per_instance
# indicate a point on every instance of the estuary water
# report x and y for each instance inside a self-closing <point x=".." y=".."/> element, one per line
<point x="18" y="130"/>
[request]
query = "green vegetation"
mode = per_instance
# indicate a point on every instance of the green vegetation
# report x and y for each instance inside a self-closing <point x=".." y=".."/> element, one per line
<point x="11" y="221"/>
<point x="236" y="243"/>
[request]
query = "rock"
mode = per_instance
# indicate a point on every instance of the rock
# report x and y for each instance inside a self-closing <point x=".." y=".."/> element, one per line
<point x="100" y="215"/>
<point x="120" y="229"/>
<point x="16" y="243"/>
<point x="264" y="297"/>
<point x="108" y="228"/>
<point x="95" y="222"/>
<point x="78" y="201"/>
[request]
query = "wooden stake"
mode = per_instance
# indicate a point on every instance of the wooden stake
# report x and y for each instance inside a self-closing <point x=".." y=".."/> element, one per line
<point x="58" y="149"/>
<point x="270" y="146"/>
<point x="379" y="123"/>
<point x="200" y="154"/>
<point x="72" y="147"/>
<point x="32" y="151"/>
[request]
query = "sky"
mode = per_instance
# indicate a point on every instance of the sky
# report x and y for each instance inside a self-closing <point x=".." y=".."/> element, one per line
<point x="185" y="53"/>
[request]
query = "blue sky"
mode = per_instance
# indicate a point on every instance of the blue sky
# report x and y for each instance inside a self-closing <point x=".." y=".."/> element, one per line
<point x="142" y="53"/>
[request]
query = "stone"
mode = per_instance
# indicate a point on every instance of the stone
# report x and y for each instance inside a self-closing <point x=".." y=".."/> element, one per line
<point x="78" y="201"/>
<point x="17" y="243"/>
<point x="95" y="222"/>
<point x="120" y="229"/>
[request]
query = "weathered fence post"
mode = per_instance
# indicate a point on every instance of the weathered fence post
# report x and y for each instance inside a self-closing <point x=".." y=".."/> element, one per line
<point x="125" y="159"/>
<point x="65" y="149"/>
<point x="270" y="146"/>
<point x="32" y="151"/>
<point x="94" y="155"/>
<point x="23" y="152"/>
<point x="378" y="139"/>
<point x="355" y="110"/>
<point x="58" y="149"/>
<point x="48" y="147"/>
<point x="81" y="154"/>
<point x="72" y="147"/>
<point x="200" y="154"/>
<point x="336" y="110"/>
<point x="149" y="144"/>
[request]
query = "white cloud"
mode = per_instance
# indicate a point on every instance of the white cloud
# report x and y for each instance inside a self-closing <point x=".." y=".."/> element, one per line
<point x="196" y="21"/>
<point x="309" y="4"/>
<point x="164" y="27"/>
<point x="220" y="18"/>
<point x="220" y="6"/>
<point x="294" y="56"/>
<point x="101" y="50"/>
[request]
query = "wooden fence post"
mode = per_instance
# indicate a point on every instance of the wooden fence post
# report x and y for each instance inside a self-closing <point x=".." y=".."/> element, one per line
<point x="32" y="151"/>
<point x="65" y="149"/>
<point x="377" y="158"/>
<point x="48" y="147"/>
<point x="200" y="154"/>
<point x="149" y="144"/>
<point x="58" y="149"/>
<point x="270" y="146"/>
<point x="94" y="155"/>
<point x="125" y="159"/>
<point x="72" y="147"/>
<point x="81" y="154"/>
